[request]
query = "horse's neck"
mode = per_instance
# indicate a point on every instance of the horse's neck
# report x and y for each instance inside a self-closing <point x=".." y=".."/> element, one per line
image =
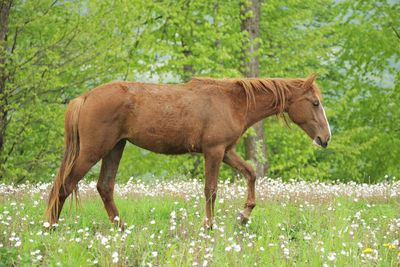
<point x="263" y="108"/>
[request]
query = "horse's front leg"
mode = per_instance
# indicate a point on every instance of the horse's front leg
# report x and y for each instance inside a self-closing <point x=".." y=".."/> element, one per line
<point x="212" y="158"/>
<point x="235" y="161"/>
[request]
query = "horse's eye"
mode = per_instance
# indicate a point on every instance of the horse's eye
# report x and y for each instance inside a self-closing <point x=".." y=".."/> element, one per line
<point x="315" y="104"/>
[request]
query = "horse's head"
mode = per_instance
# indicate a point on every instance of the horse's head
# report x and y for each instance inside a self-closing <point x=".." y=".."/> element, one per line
<point x="305" y="109"/>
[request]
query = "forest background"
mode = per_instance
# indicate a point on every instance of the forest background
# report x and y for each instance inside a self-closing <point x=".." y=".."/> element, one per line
<point x="53" y="51"/>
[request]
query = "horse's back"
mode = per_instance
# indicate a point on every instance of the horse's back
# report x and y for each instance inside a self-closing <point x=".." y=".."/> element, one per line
<point x="170" y="119"/>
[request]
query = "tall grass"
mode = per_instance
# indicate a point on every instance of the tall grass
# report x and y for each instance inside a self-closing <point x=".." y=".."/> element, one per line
<point x="294" y="223"/>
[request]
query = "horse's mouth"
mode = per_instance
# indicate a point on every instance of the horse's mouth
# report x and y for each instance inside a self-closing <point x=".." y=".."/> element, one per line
<point x="318" y="142"/>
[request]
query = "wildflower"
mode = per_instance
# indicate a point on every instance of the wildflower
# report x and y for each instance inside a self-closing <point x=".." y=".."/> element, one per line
<point x="18" y="244"/>
<point x="104" y="240"/>
<point x="367" y="250"/>
<point x="332" y="256"/>
<point x="46" y="224"/>
<point x="262" y="248"/>
<point x="154" y="253"/>
<point x="237" y="248"/>
<point x="153" y="222"/>
<point x="228" y="248"/>
<point x="286" y="251"/>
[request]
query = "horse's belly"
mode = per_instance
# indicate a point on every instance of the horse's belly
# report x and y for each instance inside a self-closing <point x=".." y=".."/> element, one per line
<point x="165" y="144"/>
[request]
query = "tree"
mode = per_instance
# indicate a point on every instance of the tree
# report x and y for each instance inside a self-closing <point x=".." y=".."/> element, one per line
<point x="4" y="14"/>
<point x="51" y="52"/>
<point x="255" y="145"/>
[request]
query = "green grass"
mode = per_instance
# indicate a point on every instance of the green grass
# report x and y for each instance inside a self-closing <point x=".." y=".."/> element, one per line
<point x="281" y="233"/>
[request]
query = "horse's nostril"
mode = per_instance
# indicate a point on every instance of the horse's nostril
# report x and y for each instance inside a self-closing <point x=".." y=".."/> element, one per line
<point x="319" y="141"/>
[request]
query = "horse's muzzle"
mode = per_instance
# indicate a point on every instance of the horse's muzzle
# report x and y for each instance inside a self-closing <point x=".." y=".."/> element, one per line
<point x="318" y="141"/>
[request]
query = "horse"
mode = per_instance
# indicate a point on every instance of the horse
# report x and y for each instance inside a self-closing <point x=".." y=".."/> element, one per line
<point x="205" y="115"/>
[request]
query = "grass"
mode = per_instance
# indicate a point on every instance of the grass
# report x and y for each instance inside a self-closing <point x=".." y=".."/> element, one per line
<point x="294" y="223"/>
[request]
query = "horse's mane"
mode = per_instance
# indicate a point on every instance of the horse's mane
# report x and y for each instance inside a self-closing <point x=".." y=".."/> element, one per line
<point x="280" y="88"/>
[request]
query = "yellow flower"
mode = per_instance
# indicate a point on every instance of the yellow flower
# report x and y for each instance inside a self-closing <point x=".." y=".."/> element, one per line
<point x="386" y="245"/>
<point x="398" y="254"/>
<point x="391" y="246"/>
<point x="368" y="250"/>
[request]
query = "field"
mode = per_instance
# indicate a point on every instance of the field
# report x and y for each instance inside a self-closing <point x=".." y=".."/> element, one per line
<point x="294" y="223"/>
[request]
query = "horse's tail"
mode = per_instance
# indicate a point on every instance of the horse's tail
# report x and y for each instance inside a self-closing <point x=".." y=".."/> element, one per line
<point x="70" y="155"/>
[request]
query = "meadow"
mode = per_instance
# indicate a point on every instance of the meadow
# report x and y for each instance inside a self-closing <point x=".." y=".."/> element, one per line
<point x="295" y="223"/>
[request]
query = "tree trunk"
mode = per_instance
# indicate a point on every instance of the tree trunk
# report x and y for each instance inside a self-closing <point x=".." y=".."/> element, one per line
<point x="187" y="68"/>
<point x="5" y="6"/>
<point x="255" y="146"/>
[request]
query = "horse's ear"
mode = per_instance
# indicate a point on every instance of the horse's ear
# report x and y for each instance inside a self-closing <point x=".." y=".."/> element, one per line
<point x="309" y="81"/>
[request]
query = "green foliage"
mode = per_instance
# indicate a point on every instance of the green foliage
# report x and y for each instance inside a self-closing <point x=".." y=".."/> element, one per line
<point x="54" y="51"/>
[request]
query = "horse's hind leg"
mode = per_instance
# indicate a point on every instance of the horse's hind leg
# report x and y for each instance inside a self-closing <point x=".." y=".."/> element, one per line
<point x="81" y="167"/>
<point x="235" y="161"/>
<point x="105" y="185"/>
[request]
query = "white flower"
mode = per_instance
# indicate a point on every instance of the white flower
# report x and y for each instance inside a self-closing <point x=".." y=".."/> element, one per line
<point x="173" y="214"/>
<point x="262" y="248"/>
<point x="237" y="248"/>
<point x="116" y="218"/>
<point x="115" y="260"/>
<point x="46" y="224"/>
<point x="286" y="251"/>
<point x="332" y="256"/>
<point x="154" y="253"/>
<point x="115" y="254"/>
<point x="205" y="263"/>
<point x="153" y="222"/>
<point x="18" y="244"/>
<point x="228" y="248"/>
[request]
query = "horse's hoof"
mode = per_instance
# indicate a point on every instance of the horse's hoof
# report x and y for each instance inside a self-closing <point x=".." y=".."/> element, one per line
<point x="208" y="226"/>
<point x="242" y="219"/>
<point x="121" y="226"/>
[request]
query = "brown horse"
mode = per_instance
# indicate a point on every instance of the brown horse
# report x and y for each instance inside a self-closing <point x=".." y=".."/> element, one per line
<point x="206" y="116"/>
